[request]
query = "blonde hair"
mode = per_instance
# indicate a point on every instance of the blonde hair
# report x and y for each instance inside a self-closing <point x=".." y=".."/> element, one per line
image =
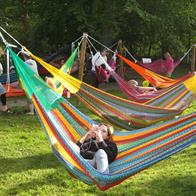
<point x="110" y="130"/>
<point x="133" y="82"/>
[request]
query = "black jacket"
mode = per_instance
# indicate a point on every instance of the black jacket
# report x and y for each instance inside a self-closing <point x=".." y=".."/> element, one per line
<point x="89" y="147"/>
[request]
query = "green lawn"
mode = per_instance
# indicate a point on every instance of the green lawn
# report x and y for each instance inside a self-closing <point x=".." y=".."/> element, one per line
<point x="28" y="166"/>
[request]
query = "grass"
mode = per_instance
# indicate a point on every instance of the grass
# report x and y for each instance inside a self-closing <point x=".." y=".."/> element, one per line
<point x="28" y="166"/>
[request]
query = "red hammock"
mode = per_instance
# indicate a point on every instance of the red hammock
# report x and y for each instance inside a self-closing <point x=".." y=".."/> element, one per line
<point x="13" y="91"/>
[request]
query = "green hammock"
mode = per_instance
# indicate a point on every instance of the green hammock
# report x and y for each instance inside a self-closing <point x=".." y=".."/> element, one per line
<point x="63" y="123"/>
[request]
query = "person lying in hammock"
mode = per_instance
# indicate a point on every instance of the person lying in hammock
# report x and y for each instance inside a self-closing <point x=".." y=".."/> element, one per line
<point x="141" y="89"/>
<point x="163" y="66"/>
<point x="51" y="83"/>
<point x="97" y="147"/>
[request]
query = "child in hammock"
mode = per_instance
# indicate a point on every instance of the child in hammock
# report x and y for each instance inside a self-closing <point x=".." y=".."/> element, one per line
<point x="50" y="83"/>
<point x="134" y="83"/>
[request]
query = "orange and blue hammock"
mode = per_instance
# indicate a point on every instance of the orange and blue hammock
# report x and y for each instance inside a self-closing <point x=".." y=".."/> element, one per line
<point x="138" y="149"/>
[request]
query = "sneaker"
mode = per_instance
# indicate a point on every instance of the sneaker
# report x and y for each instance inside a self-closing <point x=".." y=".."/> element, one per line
<point x="8" y="111"/>
<point x="30" y="113"/>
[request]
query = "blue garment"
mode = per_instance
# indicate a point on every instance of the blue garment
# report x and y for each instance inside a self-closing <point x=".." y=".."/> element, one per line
<point x="2" y="90"/>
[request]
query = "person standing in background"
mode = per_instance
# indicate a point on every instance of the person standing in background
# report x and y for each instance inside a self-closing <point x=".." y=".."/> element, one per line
<point x="2" y="89"/>
<point x="33" y="65"/>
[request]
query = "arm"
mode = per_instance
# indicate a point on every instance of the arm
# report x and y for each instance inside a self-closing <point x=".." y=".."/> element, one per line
<point x="110" y="148"/>
<point x="88" y="135"/>
<point x="146" y="89"/>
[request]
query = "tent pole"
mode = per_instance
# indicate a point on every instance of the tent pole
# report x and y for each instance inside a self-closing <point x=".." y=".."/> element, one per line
<point x="82" y="56"/>
<point x="121" y="50"/>
<point x="193" y="58"/>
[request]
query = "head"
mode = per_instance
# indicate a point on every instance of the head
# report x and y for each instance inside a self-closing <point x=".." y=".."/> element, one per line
<point x="12" y="69"/>
<point x="62" y="62"/>
<point x="76" y="63"/>
<point x="133" y="82"/>
<point x="167" y="55"/>
<point x="105" y="52"/>
<point x="25" y="56"/>
<point x="106" y="131"/>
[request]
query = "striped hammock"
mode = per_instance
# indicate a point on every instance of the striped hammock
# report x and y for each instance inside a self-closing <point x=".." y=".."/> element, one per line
<point x="121" y="112"/>
<point x="64" y="123"/>
<point x="176" y="90"/>
<point x="162" y="96"/>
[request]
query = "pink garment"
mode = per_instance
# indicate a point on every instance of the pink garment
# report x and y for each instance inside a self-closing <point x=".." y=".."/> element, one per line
<point x="103" y="75"/>
<point x="161" y="66"/>
<point x="112" y="64"/>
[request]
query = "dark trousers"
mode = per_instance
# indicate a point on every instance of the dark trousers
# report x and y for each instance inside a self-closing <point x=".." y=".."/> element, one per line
<point x="95" y="79"/>
<point x="3" y="99"/>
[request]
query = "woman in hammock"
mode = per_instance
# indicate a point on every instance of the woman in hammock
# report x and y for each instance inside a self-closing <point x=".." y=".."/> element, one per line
<point x="97" y="147"/>
<point x="163" y="66"/>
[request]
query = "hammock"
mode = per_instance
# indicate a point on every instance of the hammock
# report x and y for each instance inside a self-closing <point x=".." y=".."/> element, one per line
<point x="66" y="68"/>
<point x="168" y="98"/>
<point x="134" y="94"/>
<point x="138" y="149"/>
<point x="115" y="110"/>
<point x="13" y="91"/>
<point x="161" y="66"/>
<point x="174" y="93"/>
<point x="154" y="78"/>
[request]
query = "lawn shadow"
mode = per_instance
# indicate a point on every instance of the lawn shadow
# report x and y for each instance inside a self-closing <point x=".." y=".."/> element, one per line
<point x="178" y="185"/>
<point x="165" y="186"/>
<point x="16" y="165"/>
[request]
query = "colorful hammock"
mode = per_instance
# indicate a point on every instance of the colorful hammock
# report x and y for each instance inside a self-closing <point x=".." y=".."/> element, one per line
<point x="177" y="90"/>
<point x="113" y="109"/>
<point x="169" y="96"/>
<point x="66" y="68"/>
<point x="172" y="97"/>
<point x="138" y="149"/>
<point x="154" y="78"/>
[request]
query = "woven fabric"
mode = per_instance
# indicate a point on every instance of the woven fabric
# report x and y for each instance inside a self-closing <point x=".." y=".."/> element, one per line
<point x="138" y="149"/>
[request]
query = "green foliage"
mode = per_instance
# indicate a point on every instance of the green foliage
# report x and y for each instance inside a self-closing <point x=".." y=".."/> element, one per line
<point x="148" y="27"/>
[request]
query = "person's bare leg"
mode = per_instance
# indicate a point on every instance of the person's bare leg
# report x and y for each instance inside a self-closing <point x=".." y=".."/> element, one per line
<point x="31" y="108"/>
